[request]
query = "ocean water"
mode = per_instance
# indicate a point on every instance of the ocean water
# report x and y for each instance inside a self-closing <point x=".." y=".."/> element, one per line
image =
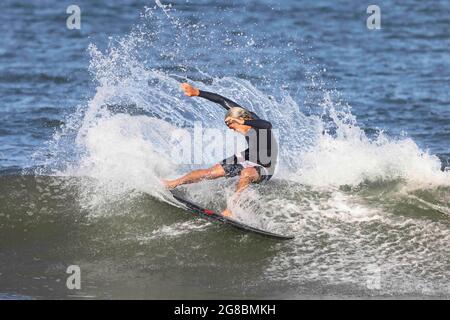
<point x="88" y="116"/>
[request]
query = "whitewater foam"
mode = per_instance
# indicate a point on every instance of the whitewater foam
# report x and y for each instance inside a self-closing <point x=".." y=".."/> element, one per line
<point x="131" y="152"/>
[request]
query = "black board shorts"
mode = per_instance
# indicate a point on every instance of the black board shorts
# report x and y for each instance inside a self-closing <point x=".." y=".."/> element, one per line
<point x="234" y="169"/>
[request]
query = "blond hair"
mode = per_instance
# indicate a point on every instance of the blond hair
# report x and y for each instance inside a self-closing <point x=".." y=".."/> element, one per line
<point x="238" y="112"/>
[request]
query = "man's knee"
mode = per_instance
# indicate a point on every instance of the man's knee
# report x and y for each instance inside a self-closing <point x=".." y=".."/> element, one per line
<point x="216" y="171"/>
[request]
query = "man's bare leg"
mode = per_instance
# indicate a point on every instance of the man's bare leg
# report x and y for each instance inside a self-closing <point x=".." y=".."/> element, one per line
<point x="248" y="175"/>
<point x="196" y="175"/>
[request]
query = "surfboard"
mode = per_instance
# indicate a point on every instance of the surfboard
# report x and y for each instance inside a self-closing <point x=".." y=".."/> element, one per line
<point x="211" y="215"/>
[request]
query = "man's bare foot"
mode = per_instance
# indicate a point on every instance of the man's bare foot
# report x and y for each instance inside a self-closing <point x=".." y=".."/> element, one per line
<point x="227" y="213"/>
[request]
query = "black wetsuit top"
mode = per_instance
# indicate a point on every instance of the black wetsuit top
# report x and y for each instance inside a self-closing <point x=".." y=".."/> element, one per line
<point x="262" y="146"/>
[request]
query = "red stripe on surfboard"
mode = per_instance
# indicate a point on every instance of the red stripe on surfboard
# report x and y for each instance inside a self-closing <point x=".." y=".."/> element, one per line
<point x="208" y="212"/>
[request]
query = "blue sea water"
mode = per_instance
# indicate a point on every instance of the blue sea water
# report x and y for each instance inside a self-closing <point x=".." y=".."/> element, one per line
<point x="368" y="200"/>
<point x="395" y="79"/>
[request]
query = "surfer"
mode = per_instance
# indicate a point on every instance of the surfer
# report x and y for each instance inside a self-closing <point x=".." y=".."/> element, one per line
<point x="254" y="165"/>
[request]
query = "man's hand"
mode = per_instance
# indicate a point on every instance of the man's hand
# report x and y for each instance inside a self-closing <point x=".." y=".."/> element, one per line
<point x="189" y="90"/>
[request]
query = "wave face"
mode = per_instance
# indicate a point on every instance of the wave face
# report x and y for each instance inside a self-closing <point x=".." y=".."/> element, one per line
<point x="370" y="211"/>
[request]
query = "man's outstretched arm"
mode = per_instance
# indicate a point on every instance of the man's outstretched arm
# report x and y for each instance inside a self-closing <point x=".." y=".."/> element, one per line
<point x="217" y="98"/>
<point x="214" y="97"/>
